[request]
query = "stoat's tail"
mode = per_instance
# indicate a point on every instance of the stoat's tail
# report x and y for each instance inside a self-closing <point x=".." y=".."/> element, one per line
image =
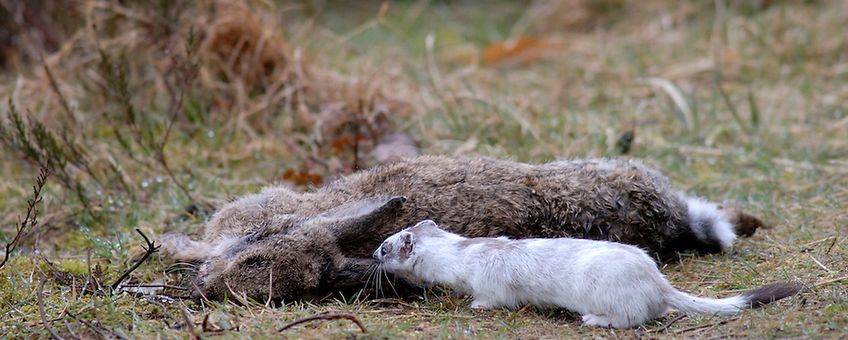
<point x="714" y="229"/>
<point x="689" y="304"/>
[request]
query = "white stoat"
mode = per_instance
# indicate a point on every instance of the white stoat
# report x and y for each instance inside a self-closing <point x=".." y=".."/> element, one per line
<point x="609" y="284"/>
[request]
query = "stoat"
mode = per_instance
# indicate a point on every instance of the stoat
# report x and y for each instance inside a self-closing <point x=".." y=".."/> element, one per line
<point x="609" y="284"/>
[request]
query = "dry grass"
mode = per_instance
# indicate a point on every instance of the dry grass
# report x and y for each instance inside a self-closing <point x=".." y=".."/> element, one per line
<point x="163" y="111"/>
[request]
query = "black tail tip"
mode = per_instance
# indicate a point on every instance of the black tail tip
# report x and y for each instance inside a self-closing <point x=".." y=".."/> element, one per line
<point x="769" y="293"/>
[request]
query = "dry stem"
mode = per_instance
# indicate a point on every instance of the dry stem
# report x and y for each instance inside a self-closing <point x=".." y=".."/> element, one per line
<point x="148" y="250"/>
<point x="25" y="227"/>
<point x="325" y="318"/>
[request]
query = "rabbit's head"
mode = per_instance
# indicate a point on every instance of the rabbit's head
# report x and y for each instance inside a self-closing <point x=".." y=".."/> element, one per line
<point x="298" y="256"/>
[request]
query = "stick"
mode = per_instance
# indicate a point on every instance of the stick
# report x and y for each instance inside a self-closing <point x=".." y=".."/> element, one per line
<point x="94" y="328"/>
<point x="325" y="318"/>
<point x="826" y="282"/>
<point x="41" y="309"/>
<point x="154" y="286"/>
<point x="89" y="277"/>
<point x="189" y="323"/>
<point x="706" y="326"/>
<point x="666" y="326"/>
<point x="149" y="250"/>
<point x="68" y="327"/>
<point x="820" y="264"/>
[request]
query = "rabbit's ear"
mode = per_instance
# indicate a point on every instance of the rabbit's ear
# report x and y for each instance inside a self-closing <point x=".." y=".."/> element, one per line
<point x="359" y="218"/>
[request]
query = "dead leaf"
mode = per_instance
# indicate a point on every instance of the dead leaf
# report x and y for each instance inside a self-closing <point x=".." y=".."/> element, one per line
<point x="523" y="50"/>
<point x="302" y="178"/>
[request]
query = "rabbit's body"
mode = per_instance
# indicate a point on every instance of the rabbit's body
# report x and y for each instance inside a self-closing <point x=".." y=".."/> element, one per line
<point x="328" y="234"/>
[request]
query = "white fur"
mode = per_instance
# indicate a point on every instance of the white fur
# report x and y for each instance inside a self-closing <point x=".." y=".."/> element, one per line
<point x="609" y="284"/>
<point x="722" y="230"/>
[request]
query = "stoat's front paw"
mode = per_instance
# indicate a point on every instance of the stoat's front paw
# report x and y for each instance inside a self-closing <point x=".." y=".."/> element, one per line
<point x="479" y="304"/>
<point x="596" y="320"/>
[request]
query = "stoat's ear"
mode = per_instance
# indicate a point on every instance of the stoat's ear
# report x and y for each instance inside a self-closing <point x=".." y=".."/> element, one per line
<point x="407" y="245"/>
<point x="425" y="227"/>
<point x="360" y="218"/>
<point x="426" y="224"/>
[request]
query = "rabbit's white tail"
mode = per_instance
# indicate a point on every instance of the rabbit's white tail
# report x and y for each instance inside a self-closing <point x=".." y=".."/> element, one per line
<point x="710" y="225"/>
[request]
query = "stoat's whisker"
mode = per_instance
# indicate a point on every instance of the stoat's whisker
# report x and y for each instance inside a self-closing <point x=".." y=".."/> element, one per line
<point x="379" y="281"/>
<point x="389" y="280"/>
<point x="368" y="276"/>
<point x="376" y="288"/>
<point x="371" y="270"/>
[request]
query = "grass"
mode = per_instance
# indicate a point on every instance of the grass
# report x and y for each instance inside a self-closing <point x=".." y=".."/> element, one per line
<point x="751" y="111"/>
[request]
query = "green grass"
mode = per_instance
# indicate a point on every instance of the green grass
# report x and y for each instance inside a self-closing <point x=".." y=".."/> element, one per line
<point x="766" y="89"/>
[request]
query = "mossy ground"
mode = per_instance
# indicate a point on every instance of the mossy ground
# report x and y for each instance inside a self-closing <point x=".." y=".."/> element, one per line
<point x="737" y="101"/>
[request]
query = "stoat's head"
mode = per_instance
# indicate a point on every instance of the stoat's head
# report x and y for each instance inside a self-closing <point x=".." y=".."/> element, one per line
<point x="397" y="250"/>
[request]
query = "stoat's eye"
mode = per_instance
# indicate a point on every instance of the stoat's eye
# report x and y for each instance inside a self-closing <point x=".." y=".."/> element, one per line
<point x="383" y="251"/>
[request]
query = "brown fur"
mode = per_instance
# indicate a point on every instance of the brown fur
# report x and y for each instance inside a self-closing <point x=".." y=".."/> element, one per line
<point x="321" y="241"/>
<point x="746" y="224"/>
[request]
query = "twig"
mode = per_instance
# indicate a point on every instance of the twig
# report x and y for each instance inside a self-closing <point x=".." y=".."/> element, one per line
<point x="808" y="245"/>
<point x="205" y="325"/>
<point x="199" y="291"/>
<point x="299" y="153"/>
<point x="163" y="161"/>
<point x="89" y="277"/>
<point x="68" y="327"/>
<point x="395" y="302"/>
<point x="666" y="326"/>
<point x="240" y="298"/>
<point x="826" y="282"/>
<point x="99" y="330"/>
<point x="59" y="318"/>
<point x="829" y="248"/>
<point x="189" y="323"/>
<point x="154" y="286"/>
<point x="54" y="85"/>
<point x="820" y="264"/>
<point x="41" y="309"/>
<point x="148" y="250"/>
<point x="160" y="149"/>
<point x="325" y="318"/>
<point x="30" y="218"/>
<point x="689" y="329"/>
<point x="186" y="73"/>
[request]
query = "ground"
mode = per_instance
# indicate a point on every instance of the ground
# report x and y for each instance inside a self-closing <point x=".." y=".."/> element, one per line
<point x="150" y="115"/>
